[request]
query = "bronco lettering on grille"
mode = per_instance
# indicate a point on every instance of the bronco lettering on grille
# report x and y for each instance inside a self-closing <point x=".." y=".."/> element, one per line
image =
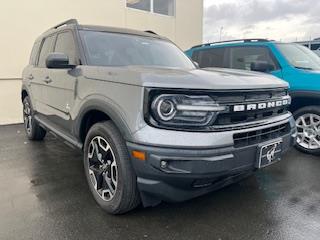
<point x="260" y="106"/>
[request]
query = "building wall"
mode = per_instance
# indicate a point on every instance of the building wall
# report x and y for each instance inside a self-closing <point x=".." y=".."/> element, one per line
<point x="23" y="21"/>
<point x="10" y="101"/>
<point x="26" y="20"/>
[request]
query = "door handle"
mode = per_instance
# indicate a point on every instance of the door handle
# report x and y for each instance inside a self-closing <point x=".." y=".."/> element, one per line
<point x="30" y="77"/>
<point x="47" y="80"/>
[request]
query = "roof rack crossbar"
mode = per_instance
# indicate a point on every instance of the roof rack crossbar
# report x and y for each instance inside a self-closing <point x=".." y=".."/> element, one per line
<point x="236" y="40"/>
<point x="70" y="21"/>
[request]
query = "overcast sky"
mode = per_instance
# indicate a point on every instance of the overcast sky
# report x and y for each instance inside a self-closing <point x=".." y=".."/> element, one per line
<point x="285" y="20"/>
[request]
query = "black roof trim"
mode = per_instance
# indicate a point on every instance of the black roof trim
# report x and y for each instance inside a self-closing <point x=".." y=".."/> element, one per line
<point x="236" y="40"/>
<point x="74" y="22"/>
<point x="150" y="31"/>
<point x="68" y="22"/>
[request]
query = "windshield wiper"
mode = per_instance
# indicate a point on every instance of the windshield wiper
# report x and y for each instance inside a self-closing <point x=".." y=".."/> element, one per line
<point x="304" y="68"/>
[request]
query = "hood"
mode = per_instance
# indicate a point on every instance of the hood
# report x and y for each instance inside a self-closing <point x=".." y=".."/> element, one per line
<point x="209" y="78"/>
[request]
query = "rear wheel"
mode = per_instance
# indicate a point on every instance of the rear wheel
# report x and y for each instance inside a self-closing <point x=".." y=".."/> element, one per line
<point x="32" y="128"/>
<point x="308" y="129"/>
<point x="110" y="175"/>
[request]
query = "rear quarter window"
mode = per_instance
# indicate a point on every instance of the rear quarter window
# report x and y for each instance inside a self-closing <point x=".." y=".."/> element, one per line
<point x="34" y="53"/>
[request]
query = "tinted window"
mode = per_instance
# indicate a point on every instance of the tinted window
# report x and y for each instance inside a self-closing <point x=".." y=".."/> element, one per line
<point x="165" y="7"/>
<point x="214" y="57"/>
<point x="139" y="4"/>
<point x="65" y="44"/>
<point x="34" y="53"/>
<point x="45" y="50"/>
<point x="244" y="57"/>
<point x="113" y="49"/>
<point x="315" y="46"/>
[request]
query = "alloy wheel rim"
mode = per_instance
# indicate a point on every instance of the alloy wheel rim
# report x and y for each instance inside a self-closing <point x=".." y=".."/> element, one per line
<point x="102" y="167"/>
<point x="27" y="117"/>
<point x="308" y="127"/>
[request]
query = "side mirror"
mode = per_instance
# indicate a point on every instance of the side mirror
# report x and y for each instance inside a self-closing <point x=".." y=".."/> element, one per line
<point x="196" y="64"/>
<point x="58" y="60"/>
<point x="262" y="67"/>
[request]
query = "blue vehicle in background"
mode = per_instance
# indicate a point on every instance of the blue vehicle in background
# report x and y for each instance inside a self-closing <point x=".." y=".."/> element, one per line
<point x="294" y="63"/>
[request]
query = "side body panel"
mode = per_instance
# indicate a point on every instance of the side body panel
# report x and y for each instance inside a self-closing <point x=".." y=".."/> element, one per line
<point x="123" y="103"/>
<point x="60" y="96"/>
<point x="60" y="88"/>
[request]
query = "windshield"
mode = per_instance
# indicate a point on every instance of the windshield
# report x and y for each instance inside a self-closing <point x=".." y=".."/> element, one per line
<point x="300" y="56"/>
<point x="116" y="49"/>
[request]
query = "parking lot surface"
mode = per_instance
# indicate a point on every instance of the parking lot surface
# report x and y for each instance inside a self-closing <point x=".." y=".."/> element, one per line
<point x="44" y="195"/>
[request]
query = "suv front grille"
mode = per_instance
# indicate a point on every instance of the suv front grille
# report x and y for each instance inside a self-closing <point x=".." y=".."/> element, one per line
<point x="247" y="97"/>
<point x="262" y="135"/>
<point x="244" y="117"/>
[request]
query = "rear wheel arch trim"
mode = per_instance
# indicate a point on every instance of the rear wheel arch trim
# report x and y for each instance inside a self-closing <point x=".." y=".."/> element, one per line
<point x="24" y="93"/>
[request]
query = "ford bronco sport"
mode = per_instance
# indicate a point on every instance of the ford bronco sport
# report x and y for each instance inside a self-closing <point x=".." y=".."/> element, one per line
<point x="294" y="63"/>
<point x="151" y="125"/>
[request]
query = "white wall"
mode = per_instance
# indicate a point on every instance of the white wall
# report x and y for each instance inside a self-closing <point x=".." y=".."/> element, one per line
<point x="23" y="21"/>
<point x="10" y="101"/>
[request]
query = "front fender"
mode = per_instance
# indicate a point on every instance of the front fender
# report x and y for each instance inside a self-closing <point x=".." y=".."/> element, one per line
<point x="108" y="107"/>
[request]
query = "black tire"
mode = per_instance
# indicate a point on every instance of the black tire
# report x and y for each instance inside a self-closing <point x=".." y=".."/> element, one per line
<point x="126" y="196"/>
<point x="33" y="130"/>
<point x="298" y="114"/>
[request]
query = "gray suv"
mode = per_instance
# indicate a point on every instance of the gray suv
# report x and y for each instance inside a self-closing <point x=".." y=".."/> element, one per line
<point x="151" y="125"/>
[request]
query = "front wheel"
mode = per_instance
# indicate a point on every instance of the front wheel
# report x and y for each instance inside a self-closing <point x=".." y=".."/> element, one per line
<point x="308" y="129"/>
<point x="108" y="169"/>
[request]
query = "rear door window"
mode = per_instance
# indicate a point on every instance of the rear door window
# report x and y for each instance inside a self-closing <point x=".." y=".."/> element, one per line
<point x="244" y="57"/>
<point x="45" y="50"/>
<point x="213" y="57"/>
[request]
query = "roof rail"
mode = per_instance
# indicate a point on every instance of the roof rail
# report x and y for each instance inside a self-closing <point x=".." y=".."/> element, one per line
<point x="150" y="31"/>
<point x="68" y="22"/>
<point x="236" y="40"/>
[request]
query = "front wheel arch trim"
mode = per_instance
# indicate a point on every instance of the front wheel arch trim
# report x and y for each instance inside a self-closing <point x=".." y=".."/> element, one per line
<point x="302" y="99"/>
<point x="104" y="107"/>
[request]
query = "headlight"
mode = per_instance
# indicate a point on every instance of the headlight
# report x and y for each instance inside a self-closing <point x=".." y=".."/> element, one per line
<point x="184" y="111"/>
<point x="165" y="109"/>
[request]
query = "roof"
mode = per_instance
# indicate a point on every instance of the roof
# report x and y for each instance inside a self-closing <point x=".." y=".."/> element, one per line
<point x="73" y="24"/>
<point x="146" y="33"/>
<point x="236" y="41"/>
<point x="309" y="41"/>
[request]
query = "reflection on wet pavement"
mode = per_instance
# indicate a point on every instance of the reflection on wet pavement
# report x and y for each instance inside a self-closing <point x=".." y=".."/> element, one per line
<point x="44" y="195"/>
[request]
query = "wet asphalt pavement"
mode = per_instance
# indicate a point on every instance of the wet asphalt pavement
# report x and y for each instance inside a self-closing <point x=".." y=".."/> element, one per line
<point x="44" y="195"/>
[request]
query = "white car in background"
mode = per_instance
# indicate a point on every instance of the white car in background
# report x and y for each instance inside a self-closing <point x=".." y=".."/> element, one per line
<point x="314" y="45"/>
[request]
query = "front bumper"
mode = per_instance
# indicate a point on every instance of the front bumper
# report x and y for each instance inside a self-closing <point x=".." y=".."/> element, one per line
<point x="181" y="173"/>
